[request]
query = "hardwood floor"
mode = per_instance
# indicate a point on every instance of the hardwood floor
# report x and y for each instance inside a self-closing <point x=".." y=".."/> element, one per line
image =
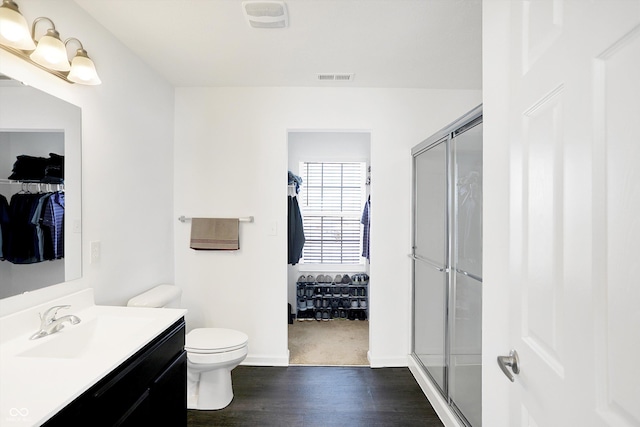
<point x="321" y="396"/>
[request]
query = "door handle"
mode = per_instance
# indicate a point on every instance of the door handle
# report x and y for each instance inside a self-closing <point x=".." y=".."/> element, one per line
<point x="511" y="361"/>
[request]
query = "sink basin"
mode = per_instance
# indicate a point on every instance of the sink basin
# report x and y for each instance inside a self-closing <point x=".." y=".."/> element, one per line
<point x="93" y="336"/>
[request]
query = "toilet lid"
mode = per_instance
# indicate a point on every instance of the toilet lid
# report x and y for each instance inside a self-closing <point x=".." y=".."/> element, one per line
<point x="214" y="340"/>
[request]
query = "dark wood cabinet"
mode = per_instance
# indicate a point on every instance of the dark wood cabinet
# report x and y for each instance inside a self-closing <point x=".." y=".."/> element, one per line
<point x="148" y="389"/>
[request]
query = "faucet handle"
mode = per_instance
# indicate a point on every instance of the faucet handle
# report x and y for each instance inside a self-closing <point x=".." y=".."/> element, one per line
<point x="45" y="317"/>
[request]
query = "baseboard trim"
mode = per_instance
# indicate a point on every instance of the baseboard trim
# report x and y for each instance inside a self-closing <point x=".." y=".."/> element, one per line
<point x="442" y="408"/>
<point x="386" y="362"/>
<point x="264" y="360"/>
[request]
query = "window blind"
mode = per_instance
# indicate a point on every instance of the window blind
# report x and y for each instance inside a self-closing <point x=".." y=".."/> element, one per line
<point x="331" y="199"/>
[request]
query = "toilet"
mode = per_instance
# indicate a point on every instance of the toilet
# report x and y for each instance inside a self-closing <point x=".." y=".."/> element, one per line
<point x="211" y="353"/>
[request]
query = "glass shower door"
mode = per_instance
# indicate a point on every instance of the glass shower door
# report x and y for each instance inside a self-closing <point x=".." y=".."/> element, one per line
<point x="447" y="266"/>
<point x="465" y="359"/>
<point x="430" y="260"/>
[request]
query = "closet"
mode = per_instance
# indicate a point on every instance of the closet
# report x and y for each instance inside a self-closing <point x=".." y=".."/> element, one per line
<point x="447" y="263"/>
<point x="32" y="210"/>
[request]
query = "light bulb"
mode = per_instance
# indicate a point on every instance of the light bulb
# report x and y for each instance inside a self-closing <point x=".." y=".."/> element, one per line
<point x="14" y="31"/>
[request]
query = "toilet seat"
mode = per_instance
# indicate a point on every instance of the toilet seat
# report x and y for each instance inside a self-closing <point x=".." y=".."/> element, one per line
<point x="214" y="340"/>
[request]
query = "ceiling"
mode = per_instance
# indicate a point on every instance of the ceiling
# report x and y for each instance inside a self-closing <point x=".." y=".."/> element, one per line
<point x="432" y="44"/>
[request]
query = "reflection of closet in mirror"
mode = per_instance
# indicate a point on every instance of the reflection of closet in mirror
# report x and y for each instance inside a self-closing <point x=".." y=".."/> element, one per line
<point x="26" y="110"/>
<point x="20" y="276"/>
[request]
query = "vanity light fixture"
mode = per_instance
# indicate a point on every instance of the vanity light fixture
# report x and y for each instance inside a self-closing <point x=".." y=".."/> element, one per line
<point x="49" y="52"/>
<point x="14" y="30"/>
<point x="83" y="70"/>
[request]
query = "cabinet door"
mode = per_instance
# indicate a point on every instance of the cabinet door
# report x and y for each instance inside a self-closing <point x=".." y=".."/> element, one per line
<point x="169" y="394"/>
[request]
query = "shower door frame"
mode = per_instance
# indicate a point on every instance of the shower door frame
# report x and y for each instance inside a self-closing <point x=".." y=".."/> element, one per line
<point x="443" y="136"/>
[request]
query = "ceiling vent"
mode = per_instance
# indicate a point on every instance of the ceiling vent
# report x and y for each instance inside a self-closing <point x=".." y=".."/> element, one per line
<point x="266" y="14"/>
<point x="336" y="77"/>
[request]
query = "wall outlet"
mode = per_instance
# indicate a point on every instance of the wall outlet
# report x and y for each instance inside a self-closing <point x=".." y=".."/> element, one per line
<point x="95" y="251"/>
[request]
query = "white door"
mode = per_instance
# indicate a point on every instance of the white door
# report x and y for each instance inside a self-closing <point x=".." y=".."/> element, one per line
<point x="562" y="212"/>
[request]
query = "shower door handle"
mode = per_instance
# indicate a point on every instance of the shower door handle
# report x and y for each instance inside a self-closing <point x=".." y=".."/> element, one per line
<point x="511" y="361"/>
<point x="429" y="263"/>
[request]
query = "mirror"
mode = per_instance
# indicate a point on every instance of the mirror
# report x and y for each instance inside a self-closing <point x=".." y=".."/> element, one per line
<point x="34" y="123"/>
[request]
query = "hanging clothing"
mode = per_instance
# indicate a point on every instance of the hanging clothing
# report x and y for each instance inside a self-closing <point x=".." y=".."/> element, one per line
<point x="4" y="224"/>
<point x="33" y="228"/>
<point x="53" y="217"/>
<point x="294" y="180"/>
<point x="295" y="231"/>
<point x="366" y="222"/>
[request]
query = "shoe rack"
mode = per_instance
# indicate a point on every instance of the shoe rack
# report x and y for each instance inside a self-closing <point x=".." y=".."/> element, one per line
<point x="323" y="298"/>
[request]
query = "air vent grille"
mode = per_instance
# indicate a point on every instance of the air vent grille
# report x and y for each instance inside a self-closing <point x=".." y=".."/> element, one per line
<point x="336" y="77"/>
<point x="266" y="14"/>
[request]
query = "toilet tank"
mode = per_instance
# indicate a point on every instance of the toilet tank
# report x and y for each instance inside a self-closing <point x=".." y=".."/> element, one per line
<point x="160" y="296"/>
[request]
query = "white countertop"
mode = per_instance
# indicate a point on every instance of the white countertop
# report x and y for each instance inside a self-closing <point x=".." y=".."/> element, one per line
<point x="40" y="377"/>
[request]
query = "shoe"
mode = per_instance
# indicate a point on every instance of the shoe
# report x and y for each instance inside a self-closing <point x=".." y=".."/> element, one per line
<point x="308" y="291"/>
<point x="335" y="314"/>
<point x="345" y="303"/>
<point x="351" y="315"/>
<point x="335" y="290"/>
<point x="317" y="302"/>
<point x="346" y="279"/>
<point x="302" y="303"/>
<point x="302" y="279"/>
<point x="309" y="303"/>
<point x="325" y="302"/>
<point x="311" y="279"/>
<point x="325" y="315"/>
<point x="363" y="303"/>
<point x="354" y="303"/>
<point x="319" y="315"/>
<point x="337" y="279"/>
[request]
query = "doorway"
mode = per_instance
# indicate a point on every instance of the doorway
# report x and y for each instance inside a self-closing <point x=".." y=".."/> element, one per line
<point x="328" y="286"/>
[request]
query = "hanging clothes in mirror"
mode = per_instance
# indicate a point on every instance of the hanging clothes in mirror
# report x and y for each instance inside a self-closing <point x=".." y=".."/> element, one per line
<point x="33" y="227"/>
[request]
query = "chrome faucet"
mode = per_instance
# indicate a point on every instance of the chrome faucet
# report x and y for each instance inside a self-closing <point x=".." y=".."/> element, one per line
<point x="49" y="324"/>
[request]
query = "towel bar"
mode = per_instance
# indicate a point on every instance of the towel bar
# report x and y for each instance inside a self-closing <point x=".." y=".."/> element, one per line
<point x="183" y="218"/>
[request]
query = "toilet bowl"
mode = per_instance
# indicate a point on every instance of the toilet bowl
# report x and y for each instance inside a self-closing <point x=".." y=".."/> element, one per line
<point x="211" y="354"/>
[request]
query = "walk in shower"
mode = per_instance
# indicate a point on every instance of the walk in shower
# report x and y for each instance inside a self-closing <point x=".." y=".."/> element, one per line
<point x="447" y="263"/>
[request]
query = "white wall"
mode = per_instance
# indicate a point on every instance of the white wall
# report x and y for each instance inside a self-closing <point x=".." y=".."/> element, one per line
<point x="127" y="136"/>
<point x="231" y="160"/>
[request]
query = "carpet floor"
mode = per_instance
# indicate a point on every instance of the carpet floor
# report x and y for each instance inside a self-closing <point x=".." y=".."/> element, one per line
<point x="338" y="342"/>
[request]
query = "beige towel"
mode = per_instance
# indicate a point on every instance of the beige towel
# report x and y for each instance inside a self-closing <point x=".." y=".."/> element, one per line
<point x="215" y="233"/>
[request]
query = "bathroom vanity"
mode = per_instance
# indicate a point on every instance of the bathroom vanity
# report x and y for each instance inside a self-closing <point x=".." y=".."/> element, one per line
<point x="118" y="366"/>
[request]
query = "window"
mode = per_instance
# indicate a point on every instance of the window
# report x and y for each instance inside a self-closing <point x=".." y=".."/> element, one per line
<point x="331" y="201"/>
